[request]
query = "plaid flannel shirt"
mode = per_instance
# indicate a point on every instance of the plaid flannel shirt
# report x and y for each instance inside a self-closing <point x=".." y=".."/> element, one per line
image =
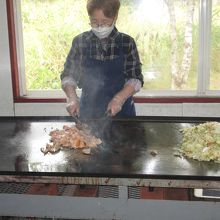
<point x="102" y="50"/>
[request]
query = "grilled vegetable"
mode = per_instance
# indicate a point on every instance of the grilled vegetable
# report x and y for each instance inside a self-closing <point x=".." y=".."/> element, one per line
<point x="202" y="142"/>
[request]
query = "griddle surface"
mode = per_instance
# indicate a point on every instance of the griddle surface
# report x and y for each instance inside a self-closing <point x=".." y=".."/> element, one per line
<point x="125" y="151"/>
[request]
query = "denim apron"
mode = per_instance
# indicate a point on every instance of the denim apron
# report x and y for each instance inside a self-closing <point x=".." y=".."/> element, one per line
<point x="101" y="80"/>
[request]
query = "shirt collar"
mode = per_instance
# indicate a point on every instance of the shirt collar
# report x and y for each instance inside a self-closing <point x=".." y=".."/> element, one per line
<point x="114" y="33"/>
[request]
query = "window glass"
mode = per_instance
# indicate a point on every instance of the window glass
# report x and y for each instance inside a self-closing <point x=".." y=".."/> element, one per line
<point x="165" y="31"/>
<point x="48" y="29"/>
<point x="215" y="47"/>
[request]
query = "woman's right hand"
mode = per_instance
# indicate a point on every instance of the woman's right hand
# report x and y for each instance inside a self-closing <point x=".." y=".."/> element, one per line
<point x="72" y="106"/>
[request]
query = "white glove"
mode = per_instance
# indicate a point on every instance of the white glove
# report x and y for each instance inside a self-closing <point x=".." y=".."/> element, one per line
<point x="72" y="106"/>
<point x="115" y="105"/>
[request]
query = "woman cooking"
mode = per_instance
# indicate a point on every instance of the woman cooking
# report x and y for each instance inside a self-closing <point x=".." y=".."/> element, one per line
<point x="105" y="64"/>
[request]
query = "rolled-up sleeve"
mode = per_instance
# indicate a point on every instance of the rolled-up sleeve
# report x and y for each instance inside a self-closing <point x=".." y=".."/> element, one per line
<point x="132" y="65"/>
<point x="71" y="72"/>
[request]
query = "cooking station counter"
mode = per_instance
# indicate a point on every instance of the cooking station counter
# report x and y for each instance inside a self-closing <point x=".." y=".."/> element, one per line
<point x="125" y="157"/>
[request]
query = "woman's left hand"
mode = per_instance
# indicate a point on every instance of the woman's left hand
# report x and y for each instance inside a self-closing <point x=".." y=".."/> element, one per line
<point x="115" y="105"/>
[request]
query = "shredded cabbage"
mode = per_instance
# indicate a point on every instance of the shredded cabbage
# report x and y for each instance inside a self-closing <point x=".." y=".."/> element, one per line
<point x="202" y="142"/>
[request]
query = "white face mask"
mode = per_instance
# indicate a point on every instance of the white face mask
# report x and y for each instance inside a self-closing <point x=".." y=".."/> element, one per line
<point x="103" y="32"/>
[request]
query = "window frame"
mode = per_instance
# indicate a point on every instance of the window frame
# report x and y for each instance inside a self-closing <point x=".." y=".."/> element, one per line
<point x="201" y="95"/>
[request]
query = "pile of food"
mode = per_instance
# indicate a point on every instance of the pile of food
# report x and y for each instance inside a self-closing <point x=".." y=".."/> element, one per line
<point x="202" y="142"/>
<point x="71" y="137"/>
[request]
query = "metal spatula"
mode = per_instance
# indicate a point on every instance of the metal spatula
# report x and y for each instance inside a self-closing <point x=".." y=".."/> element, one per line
<point x="76" y="119"/>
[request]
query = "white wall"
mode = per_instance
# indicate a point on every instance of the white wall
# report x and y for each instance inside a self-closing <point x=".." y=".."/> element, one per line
<point x="6" y="98"/>
<point x="8" y="108"/>
<point x="156" y="109"/>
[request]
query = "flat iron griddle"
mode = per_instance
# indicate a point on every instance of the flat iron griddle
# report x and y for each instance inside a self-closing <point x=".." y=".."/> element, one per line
<point x="124" y="153"/>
